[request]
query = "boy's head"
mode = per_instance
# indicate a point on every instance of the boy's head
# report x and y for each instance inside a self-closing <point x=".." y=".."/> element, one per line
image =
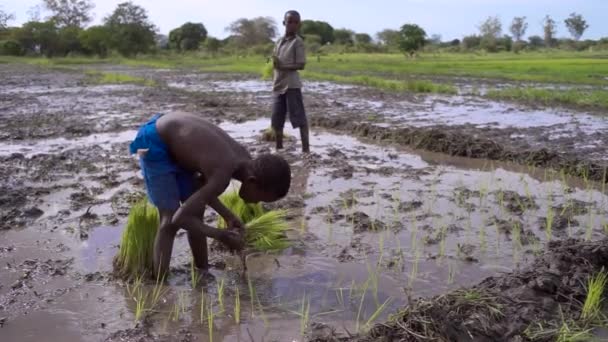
<point x="291" y="21"/>
<point x="268" y="181"/>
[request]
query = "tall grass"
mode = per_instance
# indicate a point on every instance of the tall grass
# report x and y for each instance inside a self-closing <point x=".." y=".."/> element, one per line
<point x="134" y="258"/>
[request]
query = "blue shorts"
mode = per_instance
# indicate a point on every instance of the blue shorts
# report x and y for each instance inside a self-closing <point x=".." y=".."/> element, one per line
<point x="167" y="184"/>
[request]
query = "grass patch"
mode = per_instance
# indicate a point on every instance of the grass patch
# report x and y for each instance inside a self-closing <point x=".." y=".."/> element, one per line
<point x="265" y="230"/>
<point x="135" y="257"/>
<point x="116" y="78"/>
<point x="590" y="98"/>
<point x="595" y="292"/>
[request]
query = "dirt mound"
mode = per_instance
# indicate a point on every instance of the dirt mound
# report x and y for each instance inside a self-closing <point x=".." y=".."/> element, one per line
<point x="510" y="307"/>
<point x="457" y="143"/>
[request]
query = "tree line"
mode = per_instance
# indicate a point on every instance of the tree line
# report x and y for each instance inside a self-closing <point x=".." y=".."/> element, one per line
<point x="129" y="31"/>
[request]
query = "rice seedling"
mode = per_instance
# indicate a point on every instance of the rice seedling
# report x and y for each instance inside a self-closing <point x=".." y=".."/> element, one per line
<point x="175" y="312"/>
<point x="379" y="310"/>
<point x="267" y="71"/>
<point x="220" y="294"/>
<point x="237" y="307"/>
<point x="202" y="308"/>
<point x="270" y="135"/>
<point x="252" y="295"/>
<point x="549" y="222"/>
<point x="134" y="258"/>
<point x="210" y="321"/>
<point x="414" y="271"/>
<point x="304" y="315"/>
<point x="265" y="231"/>
<point x="360" y="308"/>
<point x="595" y="291"/>
<point x="340" y="296"/>
<point x="589" y="230"/>
<point x="195" y="277"/>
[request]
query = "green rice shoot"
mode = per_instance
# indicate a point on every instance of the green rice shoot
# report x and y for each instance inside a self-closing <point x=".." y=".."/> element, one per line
<point x="135" y="257"/>
<point x="265" y="230"/>
<point x="595" y="292"/>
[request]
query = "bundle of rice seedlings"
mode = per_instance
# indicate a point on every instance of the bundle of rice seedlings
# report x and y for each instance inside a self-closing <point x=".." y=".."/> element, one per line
<point x="264" y="231"/>
<point x="267" y="71"/>
<point x="135" y="257"/>
<point x="269" y="135"/>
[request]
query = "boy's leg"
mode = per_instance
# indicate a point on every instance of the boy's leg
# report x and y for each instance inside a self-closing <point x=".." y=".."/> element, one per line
<point x="163" y="245"/>
<point x="279" y="113"/>
<point x="297" y="116"/>
<point x="188" y="184"/>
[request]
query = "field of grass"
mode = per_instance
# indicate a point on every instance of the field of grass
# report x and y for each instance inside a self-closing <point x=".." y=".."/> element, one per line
<point x="116" y="78"/>
<point x="395" y="72"/>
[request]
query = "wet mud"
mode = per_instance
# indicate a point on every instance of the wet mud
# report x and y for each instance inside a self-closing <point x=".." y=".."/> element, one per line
<point x="369" y="214"/>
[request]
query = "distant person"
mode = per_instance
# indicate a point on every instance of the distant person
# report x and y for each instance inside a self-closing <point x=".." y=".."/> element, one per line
<point x="187" y="162"/>
<point x="288" y="58"/>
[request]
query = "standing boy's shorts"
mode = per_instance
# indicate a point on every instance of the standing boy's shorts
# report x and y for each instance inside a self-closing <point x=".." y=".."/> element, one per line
<point x="167" y="184"/>
<point x="290" y="102"/>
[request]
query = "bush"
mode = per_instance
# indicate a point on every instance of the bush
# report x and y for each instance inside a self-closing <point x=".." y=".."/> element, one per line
<point x="10" y="48"/>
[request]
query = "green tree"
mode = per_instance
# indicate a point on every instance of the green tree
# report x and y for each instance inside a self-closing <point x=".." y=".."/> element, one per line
<point x="70" y="12"/>
<point x="320" y="28"/>
<point x="518" y="28"/>
<point x="363" y="38"/>
<point x="536" y="42"/>
<point x="389" y="38"/>
<point x="490" y="31"/>
<point x="577" y="25"/>
<point x="549" y="31"/>
<point x="96" y="40"/>
<point x="38" y="37"/>
<point x="213" y="45"/>
<point x="188" y="36"/>
<point x="130" y="29"/>
<point x="412" y="38"/>
<point x="68" y="40"/>
<point x="344" y="37"/>
<point x="5" y="18"/>
<point x="250" y="32"/>
<point x="471" y="42"/>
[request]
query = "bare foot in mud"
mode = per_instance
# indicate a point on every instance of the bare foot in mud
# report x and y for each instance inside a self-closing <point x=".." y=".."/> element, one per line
<point x="205" y="276"/>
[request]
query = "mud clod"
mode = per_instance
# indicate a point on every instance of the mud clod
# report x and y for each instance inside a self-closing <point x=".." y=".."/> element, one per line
<point x="362" y="223"/>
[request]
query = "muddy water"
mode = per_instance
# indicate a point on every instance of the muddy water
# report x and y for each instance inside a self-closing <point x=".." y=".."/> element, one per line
<point x="370" y="224"/>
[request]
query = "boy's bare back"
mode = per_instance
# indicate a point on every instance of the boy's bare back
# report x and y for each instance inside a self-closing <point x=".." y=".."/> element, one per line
<point x="197" y="145"/>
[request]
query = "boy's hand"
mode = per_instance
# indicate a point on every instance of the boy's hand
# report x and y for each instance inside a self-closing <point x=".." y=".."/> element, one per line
<point x="234" y="241"/>
<point x="234" y="224"/>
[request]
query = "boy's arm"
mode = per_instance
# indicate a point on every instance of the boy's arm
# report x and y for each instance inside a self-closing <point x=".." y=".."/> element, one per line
<point x="299" y="60"/>
<point x="214" y="185"/>
<point x="232" y="221"/>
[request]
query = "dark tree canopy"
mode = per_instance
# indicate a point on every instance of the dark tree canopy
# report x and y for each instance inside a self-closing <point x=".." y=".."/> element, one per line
<point x="319" y="28"/>
<point x="412" y="38"/>
<point x="188" y="36"/>
<point x="344" y="37"/>
<point x="70" y="12"/>
<point x="130" y="29"/>
<point x="576" y="25"/>
<point x="250" y="32"/>
<point x="518" y="28"/>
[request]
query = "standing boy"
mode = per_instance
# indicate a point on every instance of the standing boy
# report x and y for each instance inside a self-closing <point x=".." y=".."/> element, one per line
<point x="288" y="58"/>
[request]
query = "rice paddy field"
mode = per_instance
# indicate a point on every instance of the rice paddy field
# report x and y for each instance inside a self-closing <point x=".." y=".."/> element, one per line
<point x="450" y="198"/>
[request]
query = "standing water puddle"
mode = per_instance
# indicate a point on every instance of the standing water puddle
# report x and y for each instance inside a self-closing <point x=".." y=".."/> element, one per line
<point x="376" y="222"/>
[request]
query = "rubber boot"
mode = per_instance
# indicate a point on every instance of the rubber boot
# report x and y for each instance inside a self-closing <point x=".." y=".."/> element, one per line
<point x="304" y="137"/>
<point x="279" y="139"/>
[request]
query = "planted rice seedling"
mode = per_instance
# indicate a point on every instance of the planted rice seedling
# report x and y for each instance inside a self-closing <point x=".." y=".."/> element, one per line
<point x="379" y="310"/>
<point x="210" y="321"/>
<point x="220" y="294"/>
<point x="304" y="315"/>
<point x="595" y="292"/>
<point x="134" y="258"/>
<point x="202" y="308"/>
<point x="237" y="306"/>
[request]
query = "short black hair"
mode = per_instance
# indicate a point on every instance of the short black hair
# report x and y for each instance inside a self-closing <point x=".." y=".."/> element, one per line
<point x="272" y="173"/>
<point x="292" y="12"/>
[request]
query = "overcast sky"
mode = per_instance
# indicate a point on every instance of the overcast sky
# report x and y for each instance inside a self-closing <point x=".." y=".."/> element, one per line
<point x="449" y="18"/>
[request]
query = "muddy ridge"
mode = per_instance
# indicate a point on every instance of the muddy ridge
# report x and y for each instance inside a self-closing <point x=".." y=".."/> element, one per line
<point x="500" y="308"/>
<point x="459" y="144"/>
